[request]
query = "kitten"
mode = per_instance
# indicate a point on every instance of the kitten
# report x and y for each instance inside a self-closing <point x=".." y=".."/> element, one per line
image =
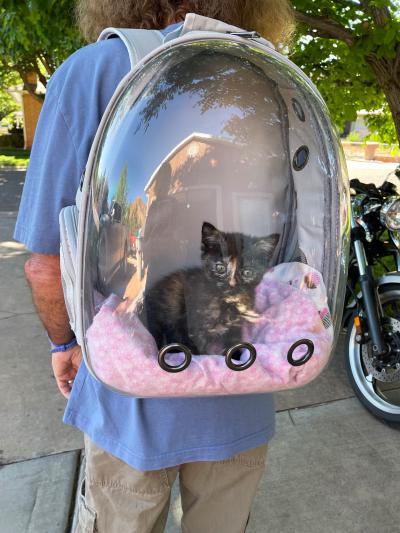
<point x="206" y="307"/>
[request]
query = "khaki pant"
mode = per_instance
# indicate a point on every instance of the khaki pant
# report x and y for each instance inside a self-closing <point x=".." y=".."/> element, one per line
<point x="216" y="495"/>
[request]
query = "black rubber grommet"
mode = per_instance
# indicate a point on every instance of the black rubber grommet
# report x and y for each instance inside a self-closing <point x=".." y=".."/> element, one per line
<point x="300" y="158"/>
<point x="297" y="108"/>
<point x="306" y="357"/>
<point x="240" y="366"/>
<point x="174" y="347"/>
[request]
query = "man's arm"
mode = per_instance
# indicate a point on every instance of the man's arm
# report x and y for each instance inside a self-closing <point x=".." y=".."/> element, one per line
<point x="44" y="277"/>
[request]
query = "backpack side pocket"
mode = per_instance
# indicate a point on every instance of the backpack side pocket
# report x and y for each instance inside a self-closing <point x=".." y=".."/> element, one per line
<point x="68" y="250"/>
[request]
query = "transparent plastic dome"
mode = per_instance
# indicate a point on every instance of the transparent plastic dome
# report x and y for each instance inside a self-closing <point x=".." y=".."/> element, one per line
<point x="216" y="230"/>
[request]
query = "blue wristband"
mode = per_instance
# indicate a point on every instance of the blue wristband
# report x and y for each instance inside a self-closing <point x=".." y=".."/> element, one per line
<point x="62" y="347"/>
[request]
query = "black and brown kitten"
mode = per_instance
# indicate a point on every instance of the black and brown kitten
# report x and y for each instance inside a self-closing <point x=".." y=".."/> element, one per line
<point x="206" y="307"/>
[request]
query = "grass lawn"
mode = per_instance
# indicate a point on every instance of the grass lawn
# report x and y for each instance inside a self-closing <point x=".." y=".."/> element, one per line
<point x="14" y="157"/>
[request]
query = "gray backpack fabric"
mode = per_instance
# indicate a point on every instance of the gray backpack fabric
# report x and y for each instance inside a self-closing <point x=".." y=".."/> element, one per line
<point x="308" y="198"/>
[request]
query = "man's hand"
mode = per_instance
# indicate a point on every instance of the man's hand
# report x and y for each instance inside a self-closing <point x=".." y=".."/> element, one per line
<point x="65" y="368"/>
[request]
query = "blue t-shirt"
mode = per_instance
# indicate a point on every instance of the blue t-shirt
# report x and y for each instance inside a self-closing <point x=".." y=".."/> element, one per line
<point x="146" y="433"/>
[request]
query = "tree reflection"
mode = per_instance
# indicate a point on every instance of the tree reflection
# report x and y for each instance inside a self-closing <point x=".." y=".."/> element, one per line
<point x="100" y="193"/>
<point x="121" y="194"/>
<point x="216" y="79"/>
<point x="137" y="216"/>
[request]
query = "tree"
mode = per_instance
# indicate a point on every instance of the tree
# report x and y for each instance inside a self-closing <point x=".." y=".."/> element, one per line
<point x="7" y="105"/>
<point x="351" y="50"/>
<point x="36" y="36"/>
<point x="121" y="194"/>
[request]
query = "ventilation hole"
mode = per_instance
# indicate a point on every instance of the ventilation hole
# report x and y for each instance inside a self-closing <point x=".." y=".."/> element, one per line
<point x="298" y="110"/>
<point x="300" y="158"/>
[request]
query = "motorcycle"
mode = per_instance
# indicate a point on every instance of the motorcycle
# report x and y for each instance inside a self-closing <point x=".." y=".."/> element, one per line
<point x="372" y="306"/>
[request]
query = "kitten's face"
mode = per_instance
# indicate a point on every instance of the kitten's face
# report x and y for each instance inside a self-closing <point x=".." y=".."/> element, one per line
<point x="235" y="262"/>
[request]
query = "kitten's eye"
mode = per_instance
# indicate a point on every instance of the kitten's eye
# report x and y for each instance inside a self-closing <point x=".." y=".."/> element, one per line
<point x="220" y="268"/>
<point x="247" y="273"/>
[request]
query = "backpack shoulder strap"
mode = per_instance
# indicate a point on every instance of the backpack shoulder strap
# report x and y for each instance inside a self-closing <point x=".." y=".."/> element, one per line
<point x="194" y="23"/>
<point x="139" y="43"/>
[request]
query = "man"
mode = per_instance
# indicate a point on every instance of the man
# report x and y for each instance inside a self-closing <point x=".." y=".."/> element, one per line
<point x="135" y="447"/>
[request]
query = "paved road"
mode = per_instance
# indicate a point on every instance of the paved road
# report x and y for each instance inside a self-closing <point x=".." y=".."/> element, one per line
<point x="332" y="467"/>
<point x="370" y="171"/>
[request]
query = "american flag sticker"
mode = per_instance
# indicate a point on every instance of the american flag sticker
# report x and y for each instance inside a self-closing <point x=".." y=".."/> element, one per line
<point x="326" y="318"/>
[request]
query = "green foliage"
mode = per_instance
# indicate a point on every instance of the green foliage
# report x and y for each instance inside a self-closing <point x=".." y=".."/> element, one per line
<point x="14" y="158"/>
<point x="394" y="150"/>
<point x="9" y="78"/>
<point x="336" y="43"/>
<point x="330" y="65"/>
<point x="14" y="138"/>
<point x="354" y="136"/>
<point x="7" y="105"/>
<point x="36" y="36"/>
<point x="384" y="125"/>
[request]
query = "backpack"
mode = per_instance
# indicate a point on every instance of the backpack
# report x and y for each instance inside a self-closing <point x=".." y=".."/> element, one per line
<point x="207" y="250"/>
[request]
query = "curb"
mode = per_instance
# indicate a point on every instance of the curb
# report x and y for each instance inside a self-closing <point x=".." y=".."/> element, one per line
<point x="376" y="160"/>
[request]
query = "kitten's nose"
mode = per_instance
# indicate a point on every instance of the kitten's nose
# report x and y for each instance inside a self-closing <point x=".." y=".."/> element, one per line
<point x="232" y="282"/>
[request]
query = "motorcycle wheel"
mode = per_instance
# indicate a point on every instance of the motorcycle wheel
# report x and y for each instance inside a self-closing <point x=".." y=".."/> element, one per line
<point x="382" y="399"/>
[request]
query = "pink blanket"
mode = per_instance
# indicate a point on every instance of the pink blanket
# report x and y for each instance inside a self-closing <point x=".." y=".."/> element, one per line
<point x="291" y="304"/>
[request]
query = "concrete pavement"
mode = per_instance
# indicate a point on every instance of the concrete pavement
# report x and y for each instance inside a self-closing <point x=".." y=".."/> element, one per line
<point x="37" y="495"/>
<point x="369" y="171"/>
<point x="332" y="467"/>
<point x="30" y="410"/>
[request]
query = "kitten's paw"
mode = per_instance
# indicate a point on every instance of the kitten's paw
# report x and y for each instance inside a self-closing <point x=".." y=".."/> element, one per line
<point x="252" y="316"/>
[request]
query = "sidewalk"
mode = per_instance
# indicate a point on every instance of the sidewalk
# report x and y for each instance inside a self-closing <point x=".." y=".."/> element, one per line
<point x="332" y="467"/>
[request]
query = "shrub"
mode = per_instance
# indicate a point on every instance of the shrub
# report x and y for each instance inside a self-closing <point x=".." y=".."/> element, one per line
<point x="354" y="136"/>
<point x="14" y="138"/>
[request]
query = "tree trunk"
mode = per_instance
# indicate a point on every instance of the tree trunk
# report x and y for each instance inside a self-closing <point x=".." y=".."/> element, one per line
<point x="387" y="73"/>
<point x="31" y="106"/>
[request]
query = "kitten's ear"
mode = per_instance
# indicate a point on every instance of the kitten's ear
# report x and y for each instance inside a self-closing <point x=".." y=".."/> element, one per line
<point x="210" y="235"/>
<point x="268" y="244"/>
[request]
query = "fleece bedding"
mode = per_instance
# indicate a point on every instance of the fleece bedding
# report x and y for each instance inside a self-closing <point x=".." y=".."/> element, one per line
<point x="290" y="305"/>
